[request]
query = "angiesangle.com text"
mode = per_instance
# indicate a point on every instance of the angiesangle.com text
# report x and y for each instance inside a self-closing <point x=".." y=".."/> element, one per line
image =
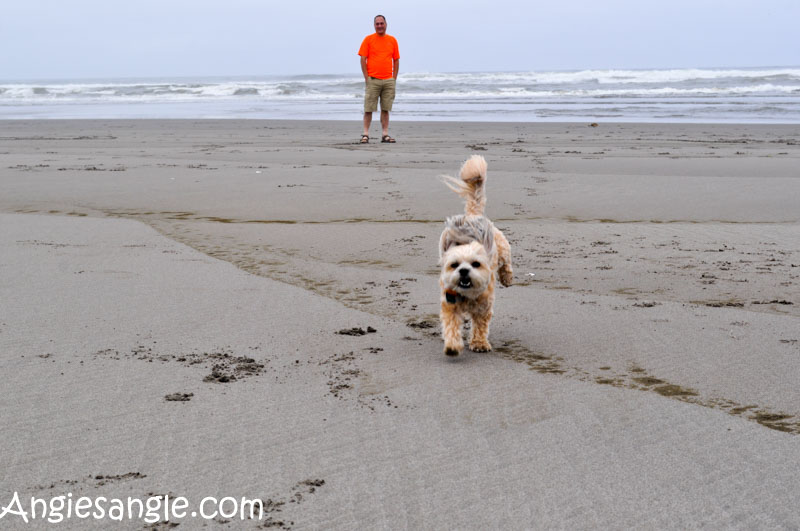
<point x="149" y="510"/>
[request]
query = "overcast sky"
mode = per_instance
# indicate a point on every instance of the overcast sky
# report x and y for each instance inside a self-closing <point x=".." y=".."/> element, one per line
<point x="50" y="39"/>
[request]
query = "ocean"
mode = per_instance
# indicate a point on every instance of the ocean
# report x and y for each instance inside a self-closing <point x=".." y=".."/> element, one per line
<point x="711" y="95"/>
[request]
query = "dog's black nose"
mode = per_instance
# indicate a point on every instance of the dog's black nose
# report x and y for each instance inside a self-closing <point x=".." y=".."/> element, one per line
<point x="464" y="272"/>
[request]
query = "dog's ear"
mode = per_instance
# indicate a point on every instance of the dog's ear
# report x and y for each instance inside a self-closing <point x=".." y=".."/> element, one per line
<point x="488" y="239"/>
<point x="446" y="241"/>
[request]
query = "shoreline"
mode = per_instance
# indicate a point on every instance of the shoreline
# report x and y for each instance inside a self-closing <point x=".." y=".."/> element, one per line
<point x="356" y="118"/>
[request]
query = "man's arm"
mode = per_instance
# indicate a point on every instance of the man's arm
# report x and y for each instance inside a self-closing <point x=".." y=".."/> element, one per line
<point x="364" y="68"/>
<point x="396" y="68"/>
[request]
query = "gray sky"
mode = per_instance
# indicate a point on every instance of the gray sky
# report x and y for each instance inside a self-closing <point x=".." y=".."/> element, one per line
<point x="43" y="39"/>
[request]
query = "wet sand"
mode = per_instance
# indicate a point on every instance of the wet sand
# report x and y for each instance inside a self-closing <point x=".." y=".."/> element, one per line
<point x="249" y="308"/>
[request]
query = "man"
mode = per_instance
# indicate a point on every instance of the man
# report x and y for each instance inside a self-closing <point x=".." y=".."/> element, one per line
<point x="380" y="62"/>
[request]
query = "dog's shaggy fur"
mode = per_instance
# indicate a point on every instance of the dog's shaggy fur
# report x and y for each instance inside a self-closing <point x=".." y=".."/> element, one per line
<point x="473" y="253"/>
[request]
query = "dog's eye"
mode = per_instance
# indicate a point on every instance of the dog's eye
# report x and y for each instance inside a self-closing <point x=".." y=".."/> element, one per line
<point x="454" y="265"/>
<point x="476" y="265"/>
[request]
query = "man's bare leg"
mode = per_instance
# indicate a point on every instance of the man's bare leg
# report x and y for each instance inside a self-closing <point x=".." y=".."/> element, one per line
<point x="368" y="122"/>
<point x="385" y="122"/>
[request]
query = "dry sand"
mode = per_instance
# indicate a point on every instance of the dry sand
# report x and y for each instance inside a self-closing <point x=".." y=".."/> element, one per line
<point x="173" y="292"/>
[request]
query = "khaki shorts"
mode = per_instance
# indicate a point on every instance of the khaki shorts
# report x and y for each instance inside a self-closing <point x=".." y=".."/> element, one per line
<point x="382" y="89"/>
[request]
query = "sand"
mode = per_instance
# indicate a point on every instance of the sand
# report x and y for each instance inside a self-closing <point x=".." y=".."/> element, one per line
<point x="249" y="309"/>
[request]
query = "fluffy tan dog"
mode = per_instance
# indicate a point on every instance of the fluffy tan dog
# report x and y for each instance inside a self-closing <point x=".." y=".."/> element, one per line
<point x="473" y="253"/>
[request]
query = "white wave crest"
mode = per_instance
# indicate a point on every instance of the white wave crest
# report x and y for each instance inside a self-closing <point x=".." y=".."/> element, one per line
<point x="607" y="76"/>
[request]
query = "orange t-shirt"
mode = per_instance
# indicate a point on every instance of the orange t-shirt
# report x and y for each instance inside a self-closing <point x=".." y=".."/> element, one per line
<point x="380" y="53"/>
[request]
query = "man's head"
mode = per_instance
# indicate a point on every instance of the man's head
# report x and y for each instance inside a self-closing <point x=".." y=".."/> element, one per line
<point x="380" y="24"/>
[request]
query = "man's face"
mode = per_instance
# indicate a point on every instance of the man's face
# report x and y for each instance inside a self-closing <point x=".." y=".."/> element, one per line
<point x="380" y="25"/>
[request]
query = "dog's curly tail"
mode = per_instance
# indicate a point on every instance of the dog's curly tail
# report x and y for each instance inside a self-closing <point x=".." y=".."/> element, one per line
<point x="471" y="185"/>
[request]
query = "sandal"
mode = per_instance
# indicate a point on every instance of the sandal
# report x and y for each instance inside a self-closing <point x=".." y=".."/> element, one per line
<point x="386" y="139"/>
<point x="364" y="139"/>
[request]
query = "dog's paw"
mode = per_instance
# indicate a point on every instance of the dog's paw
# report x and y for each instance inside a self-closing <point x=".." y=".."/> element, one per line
<point x="453" y="344"/>
<point x="480" y="346"/>
<point x="506" y="276"/>
<point x="453" y="348"/>
<point x="452" y="352"/>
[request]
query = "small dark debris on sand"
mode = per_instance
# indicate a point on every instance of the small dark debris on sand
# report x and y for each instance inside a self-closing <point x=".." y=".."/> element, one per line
<point x="219" y="375"/>
<point x="179" y="397"/>
<point x="311" y="483"/>
<point x="725" y="304"/>
<point x="674" y="390"/>
<point x="308" y="486"/>
<point x="777" y="421"/>
<point x="648" y="381"/>
<point x="422" y="325"/>
<point x="340" y="377"/>
<point x="356" y="331"/>
<point x="159" y="526"/>
<point x="104" y="479"/>
<point x="271" y="506"/>
<point x="231" y="368"/>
